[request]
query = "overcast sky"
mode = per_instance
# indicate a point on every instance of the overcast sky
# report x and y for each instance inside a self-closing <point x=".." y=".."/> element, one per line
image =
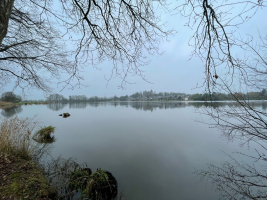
<point x="170" y="72"/>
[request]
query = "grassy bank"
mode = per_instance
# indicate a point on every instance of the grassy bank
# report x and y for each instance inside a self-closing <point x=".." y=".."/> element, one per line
<point x="21" y="177"/>
<point x="4" y="104"/>
<point x="31" y="103"/>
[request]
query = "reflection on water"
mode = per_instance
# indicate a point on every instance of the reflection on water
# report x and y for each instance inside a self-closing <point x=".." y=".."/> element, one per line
<point x="138" y="105"/>
<point x="150" y="106"/>
<point x="152" y="154"/>
<point x="75" y="105"/>
<point x="56" y="106"/>
<point x="243" y="176"/>
<point x="239" y="180"/>
<point x="9" y="112"/>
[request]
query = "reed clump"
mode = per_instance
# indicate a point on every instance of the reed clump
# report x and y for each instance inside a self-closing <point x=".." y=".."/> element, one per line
<point x="44" y="135"/>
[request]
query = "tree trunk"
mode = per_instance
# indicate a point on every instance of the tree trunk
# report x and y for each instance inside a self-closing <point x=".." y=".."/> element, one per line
<point x="5" y="12"/>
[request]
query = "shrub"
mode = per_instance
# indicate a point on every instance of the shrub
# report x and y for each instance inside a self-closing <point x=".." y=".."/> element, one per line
<point x="99" y="185"/>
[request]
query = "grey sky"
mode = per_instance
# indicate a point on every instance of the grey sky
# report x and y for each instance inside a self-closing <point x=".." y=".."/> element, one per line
<point x="170" y="72"/>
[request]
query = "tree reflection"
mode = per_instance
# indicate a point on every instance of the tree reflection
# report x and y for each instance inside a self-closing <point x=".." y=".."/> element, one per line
<point x="239" y="180"/>
<point x="245" y="121"/>
<point x="78" y="105"/>
<point x="9" y="112"/>
<point x="264" y="105"/>
<point x="152" y="106"/>
<point x="56" y="106"/>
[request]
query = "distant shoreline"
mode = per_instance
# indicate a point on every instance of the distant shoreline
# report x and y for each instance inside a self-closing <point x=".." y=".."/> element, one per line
<point x="4" y="104"/>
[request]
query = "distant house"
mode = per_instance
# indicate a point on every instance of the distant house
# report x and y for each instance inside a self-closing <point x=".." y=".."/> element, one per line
<point x="186" y="98"/>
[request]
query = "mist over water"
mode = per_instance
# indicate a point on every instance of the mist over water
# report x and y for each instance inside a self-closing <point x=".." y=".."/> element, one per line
<point x="151" y="148"/>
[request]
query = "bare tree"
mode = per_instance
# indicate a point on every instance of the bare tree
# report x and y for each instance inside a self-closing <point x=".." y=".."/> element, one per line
<point x="215" y="41"/>
<point x="239" y="180"/>
<point x="116" y="30"/>
<point x="120" y="31"/>
<point x="56" y="97"/>
<point x="246" y="122"/>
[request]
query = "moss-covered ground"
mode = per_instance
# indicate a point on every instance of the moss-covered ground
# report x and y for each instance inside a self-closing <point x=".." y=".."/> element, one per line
<point x="23" y="179"/>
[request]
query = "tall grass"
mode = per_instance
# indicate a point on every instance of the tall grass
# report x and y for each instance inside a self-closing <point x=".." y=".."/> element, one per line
<point x="21" y="173"/>
<point x="15" y="138"/>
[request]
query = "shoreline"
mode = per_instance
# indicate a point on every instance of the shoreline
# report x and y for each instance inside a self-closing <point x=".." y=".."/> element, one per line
<point x="4" y="104"/>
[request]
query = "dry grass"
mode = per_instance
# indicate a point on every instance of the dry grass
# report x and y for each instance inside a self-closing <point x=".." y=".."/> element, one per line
<point x="15" y="137"/>
<point x="46" y="131"/>
<point x="4" y="104"/>
<point x="44" y="135"/>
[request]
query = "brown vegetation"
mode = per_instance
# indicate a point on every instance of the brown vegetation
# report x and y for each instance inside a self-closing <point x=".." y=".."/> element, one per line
<point x="4" y="104"/>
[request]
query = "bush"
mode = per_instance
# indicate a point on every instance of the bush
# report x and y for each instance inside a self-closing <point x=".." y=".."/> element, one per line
<point x="99" y="185"/>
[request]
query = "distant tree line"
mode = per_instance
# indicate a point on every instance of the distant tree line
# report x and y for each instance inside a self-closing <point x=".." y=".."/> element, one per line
<point x="152" y="95"/>
<point x="56" y="97"/>
<point x="145" y="96"/>
<point x="215" y="96"/>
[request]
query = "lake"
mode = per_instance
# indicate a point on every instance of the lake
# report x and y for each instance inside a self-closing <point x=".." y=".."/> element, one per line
<point x="151" y="148"/>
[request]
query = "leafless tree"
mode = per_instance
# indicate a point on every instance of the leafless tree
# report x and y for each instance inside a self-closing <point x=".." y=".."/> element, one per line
<point x="121" y="30"/>
<point x="239" y="180"/>
<point x="245" y="121"/>
<point x="56" y="97"/>
<point x="117" y="30"/>
<point x="216" y="42"/>
<point x="216" y="39"/>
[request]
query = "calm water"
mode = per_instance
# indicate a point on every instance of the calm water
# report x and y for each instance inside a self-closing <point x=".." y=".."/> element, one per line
<point x="152" y="149"/>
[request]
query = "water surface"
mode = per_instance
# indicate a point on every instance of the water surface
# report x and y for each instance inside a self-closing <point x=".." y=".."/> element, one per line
<point x="151" y="148"/>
